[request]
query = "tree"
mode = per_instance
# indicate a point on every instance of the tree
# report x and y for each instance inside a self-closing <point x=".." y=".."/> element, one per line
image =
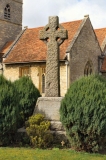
<point x="83" y="113"/>
<point x="28" y="95"/>
<point x="8" y="111"/>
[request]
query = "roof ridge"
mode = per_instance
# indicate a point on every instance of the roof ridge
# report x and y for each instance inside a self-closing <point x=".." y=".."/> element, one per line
<point x="35" y="28"/>
<point x="14" y="43"/>
<point x="59" y="23"/>
<point x="71" y="21"/>
<point x="100" y="28"/>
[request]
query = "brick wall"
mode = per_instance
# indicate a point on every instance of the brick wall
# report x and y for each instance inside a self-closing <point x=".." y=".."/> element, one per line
<point x="11" y="72"/>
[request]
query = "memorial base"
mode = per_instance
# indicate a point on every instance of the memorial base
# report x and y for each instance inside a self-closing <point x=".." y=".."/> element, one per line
<point x="49" y="107"/>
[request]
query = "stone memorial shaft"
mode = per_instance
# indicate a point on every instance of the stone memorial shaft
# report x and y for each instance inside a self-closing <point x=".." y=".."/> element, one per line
<point x="53" y="34"/>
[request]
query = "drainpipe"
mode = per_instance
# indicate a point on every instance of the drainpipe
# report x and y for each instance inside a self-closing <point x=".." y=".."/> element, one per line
<point x="66" y="63"/>
<point x="68" y="69"/>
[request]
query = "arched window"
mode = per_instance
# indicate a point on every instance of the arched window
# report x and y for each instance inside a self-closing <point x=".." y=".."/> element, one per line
<point x="7" y="12"/>
<point x="88" y="68"/>
<point x="43" y="83"/>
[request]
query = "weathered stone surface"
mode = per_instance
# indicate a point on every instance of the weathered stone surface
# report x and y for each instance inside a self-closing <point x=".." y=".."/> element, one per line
<point x="50" y="34"/>
<point x="9" y="29"/>
<point x="83" y="48"/>
<point x="57" y="126"/>
<point x="49" y="106"/>
<point x="59" y="136"/>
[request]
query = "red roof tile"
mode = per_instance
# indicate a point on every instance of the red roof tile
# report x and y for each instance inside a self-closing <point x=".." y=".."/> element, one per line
<point x="30" y="49"/>
<point x="101" y="34"/>
<point x="6" y="47"/>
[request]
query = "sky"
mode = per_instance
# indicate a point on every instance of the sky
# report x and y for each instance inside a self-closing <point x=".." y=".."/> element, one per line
<point x="36" y="12"/>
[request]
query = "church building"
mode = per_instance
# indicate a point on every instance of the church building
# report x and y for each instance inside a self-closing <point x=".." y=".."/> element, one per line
<point x="22" y="53"/>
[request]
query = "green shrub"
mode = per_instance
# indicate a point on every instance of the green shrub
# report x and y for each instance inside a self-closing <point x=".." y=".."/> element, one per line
<point x="28" y="95"/>
<point x="83" y="113"/>
<point x="38" y="131"/>
<point x="8" y="111"/>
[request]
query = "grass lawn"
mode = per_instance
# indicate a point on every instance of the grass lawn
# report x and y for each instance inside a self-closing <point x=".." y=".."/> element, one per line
<point x="38" y="154"/>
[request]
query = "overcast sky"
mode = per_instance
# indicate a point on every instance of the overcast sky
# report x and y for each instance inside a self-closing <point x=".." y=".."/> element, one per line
<point x="36" y="12"/>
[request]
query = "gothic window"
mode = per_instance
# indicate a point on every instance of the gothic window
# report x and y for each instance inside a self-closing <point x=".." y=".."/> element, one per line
<point x="7" y="12"/>
<point x="24" y="71"/>
<point x="88" y="68"/>
<point x="43" y="83"/>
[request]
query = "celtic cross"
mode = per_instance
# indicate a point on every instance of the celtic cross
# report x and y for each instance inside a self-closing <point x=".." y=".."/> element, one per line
<point x="54" y="35"/>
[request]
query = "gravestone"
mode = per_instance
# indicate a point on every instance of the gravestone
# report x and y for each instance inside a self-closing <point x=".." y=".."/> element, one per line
<point x="53" y="34"/>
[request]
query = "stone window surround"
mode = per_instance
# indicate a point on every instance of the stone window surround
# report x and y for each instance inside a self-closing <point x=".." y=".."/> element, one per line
<point x="7" y="12"/>
<point x="88" y="68"/>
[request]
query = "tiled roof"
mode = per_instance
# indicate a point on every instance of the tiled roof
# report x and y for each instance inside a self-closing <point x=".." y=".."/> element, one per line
<point x="101" y="34"/>
<point x="6" y="47"/>
<point x="30" y="49"/>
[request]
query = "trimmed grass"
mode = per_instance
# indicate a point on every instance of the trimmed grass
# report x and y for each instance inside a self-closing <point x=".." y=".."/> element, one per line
<point x="38" y="154"/>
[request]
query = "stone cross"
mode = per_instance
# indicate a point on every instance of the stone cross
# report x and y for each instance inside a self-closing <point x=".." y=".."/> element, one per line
<point x="53" y="34"/>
